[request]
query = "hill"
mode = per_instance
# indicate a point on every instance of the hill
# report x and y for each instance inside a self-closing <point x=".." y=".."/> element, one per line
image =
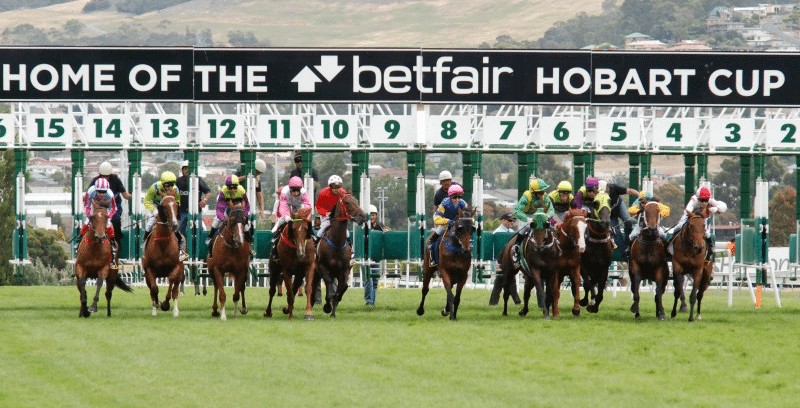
<point x="314" y="23"/>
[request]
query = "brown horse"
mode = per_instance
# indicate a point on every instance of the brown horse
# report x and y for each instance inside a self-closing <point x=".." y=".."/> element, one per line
<point x="230" y="256"/>
<point x="333" y="253"/>
<point x="596" y="260"/>
<point x="689" y="259"/>
<point x="161" y="257"/>
<point x="649" y="259"/>
<point x="94" y="261"/>
<point x="541" y="254"/>
<point x="570" y="235"/>
<point x="296" y="259"/>
<point x="455" y="260"/>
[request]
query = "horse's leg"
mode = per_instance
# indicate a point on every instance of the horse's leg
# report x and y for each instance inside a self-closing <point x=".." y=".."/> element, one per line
<point x="677" y="283"/>
<point x="240" y="281"/>
<point x="93" y="307"/>
<point x="217" y="288"/>
<point x="457" y="300"/>
<point x="178" y="276"/>
<point x="150" y="279"/>
<point x="426" y="280"/>
<point x="636" y="278"/>
<point x="290" y="293"/>
<point x="601" y="287"/>
<point x="556" y="292"/>
<point x="275" y="273"/>
<point x="109" y="290"/>
<point x="526" y="295"/>
<point x="448" y="286"/>
<point x="309" y="279"/>
<point x="575" y="281"/>
<point x="662" y="277"/>
<point x="222" y="295"/>
<point x="586" y="287"/>
<point x="327" y="307"/>
<point x="693" y="298"/>
<point x="705" y="279"/>
<point x="171" y="284"/>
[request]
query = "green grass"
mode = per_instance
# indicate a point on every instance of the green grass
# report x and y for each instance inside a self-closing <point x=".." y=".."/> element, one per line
<point x="388" y="356"/>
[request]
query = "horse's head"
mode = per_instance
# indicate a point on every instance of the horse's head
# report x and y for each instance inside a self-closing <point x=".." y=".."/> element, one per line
<point x="601" y="212"/>
<point x="574" y="228"/>
<point x="236" y="222"/>
<point x="694" y="231"/>
<point x="652" y="216"/>
<point x="299" y="230"/>
<point x="98" y="221"/>
<point x="542" y="236"/>
<point x="168" y="211"/>
<point x="462" y="230"/>
<point x="352" y="210"/>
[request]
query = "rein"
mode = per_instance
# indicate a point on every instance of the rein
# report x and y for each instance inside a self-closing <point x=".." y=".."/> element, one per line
<point x="228" y="227"/>
<point x="561" y="230"/>
<point x="686" y="239"/>
<point x="596" y="240"/>
<point x="285" y="234"/>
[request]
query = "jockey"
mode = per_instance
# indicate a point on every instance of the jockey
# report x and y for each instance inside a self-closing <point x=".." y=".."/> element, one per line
<point x="638" y="209"/>
<point x="531" y="200"/>
<point x="291" y="198"/>
<point x="232" y="191"/>
<point x="444" y="216"/>
<point x="327" y="199"/>
<point x="154" y="195"/>
<point x="585" y="196"/>
<point x="562" y="198"/>
<point x="100" y="195"/>
<point x="702" y="203"/>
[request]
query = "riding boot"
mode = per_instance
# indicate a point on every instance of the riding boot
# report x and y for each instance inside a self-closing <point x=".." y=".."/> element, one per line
<point x="114" y="252"/>
<point x="432" y="248"/>
<point x="709" y="249"/>
<point x="274" y="252"/>
<point x="210" y="241"/>
<point x="181" y="247"/>
<point x="516" y="255"/>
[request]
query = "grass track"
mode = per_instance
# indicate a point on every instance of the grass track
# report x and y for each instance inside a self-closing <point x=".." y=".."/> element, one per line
<point x="388" y="356"/>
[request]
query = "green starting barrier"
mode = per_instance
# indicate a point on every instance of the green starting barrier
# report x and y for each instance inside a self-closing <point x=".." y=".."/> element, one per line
<point x="793" y="248"/>
<point x="746" y="245"/>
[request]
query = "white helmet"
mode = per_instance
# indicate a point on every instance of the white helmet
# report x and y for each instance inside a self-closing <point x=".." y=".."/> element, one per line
<point x="603" y="184"/>
<point x="261" y="166"/>
<point x="373" y="209"/>
<point x="185" y="163"/>
<point x="445" y="175"/>
<point x="334" y="179"/>
<point x="105" y="168"/>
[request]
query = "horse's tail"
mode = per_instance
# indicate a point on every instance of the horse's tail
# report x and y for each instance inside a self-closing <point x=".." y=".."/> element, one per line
<point x="122" y="285"/>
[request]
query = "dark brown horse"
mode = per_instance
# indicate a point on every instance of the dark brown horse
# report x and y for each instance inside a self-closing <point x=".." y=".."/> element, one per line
<point x="94" y="261"/>
<point x="689" y="258"/>
<point x="540" y="253"/>
<point x="296" y="259"/>
<point x="333" y="253"/>
<point x="570" y="235"/>
<point x="649" y="259"/>
<point x="161" y="257"/>
<point x="230" y="256"/>
<point x="455" y="260"/>
<point x="596" y="259"/>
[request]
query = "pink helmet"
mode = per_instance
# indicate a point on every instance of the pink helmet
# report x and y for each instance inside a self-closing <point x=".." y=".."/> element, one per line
<point x="295" y="182"/>
<point x="455" y="189"/>
<point x="101" y="184"/>
<point x="704" y="193"/>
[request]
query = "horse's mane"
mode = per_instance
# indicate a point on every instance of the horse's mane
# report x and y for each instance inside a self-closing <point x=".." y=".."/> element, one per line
<point x="303" y="213"/>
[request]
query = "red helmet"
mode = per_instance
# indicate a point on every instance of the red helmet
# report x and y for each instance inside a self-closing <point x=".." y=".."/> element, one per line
<point x="295" y="182"/>
<point x="704" y="193"/>
<point x="455" y="189"/>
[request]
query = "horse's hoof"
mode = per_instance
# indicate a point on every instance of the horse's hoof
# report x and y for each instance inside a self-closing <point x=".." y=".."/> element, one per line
<point x="662" y="317"/>
<point x="684" y="309"/>
<point x="633" y="309"/>
<point x="576" y="312"/>
<point x="204" y="291"/>
<point x="637" y="316"/>
<point x="85" y="313"/>
<point x="285" y="310"/>
<point x="691" y="319"/>
<point x="327" y="308"/>
<point x="164" y="306"/>
<point x="698" y="317"/>
<point x="591" y="309"/>
<point x="420" y="311"/>
<point x="268" y="313"/>
<point x="215" y="314"/>
<point x="548" y="317"/>
<point x="445" y="312"/>
<point x="584" y="302"/>
<point x="280" y="294"/>
<point x="309" y="317"/>
<point x="673" y="314"/>
<point x="93" y="309"/>
<point x="523" y="312"/>
<point x="243" y="311"/>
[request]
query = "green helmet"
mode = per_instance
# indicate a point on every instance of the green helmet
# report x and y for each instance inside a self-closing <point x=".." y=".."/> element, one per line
<point x="168" y="177"/>
<point x="565" y="187"/>
<point x="538" y="185"/>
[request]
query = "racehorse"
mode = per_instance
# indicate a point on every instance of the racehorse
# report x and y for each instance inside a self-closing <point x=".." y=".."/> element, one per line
<point x="570" y="235"/>
<point x="689" y="259"/>
<point x="230" y="256"/>
<point x="649" y="259"/>
<point x="296" y="259"/>
<point x="455" y="259"/>
<point x="161" y="257"/>
<point x="94" y="261"/>
<point x="333" y="253"/>
<point x="596" y="260"/>
<point x="540" y="253"/>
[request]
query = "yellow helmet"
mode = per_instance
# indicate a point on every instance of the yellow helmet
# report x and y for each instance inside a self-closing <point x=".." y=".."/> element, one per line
<point x="168" y="177"/>
<point x="538" y="185"/>
<point x="565" y="186"/>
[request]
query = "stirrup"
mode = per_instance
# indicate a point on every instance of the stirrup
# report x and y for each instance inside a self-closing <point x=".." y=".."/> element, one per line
<point x="183" y="256"/>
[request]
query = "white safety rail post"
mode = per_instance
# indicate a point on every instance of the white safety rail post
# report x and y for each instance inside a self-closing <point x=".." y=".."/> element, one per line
<point x="761" y="213"/>
<point x="194" y="221"/>
<point x="77" y="215"/>
<point x="364" y="199"/>
<point x="137" y="207"/>
<point x="251" y="197"/>
<point x="420" y="207"/>
<point x="477" y="202"/>
<point x="20" y="240"/>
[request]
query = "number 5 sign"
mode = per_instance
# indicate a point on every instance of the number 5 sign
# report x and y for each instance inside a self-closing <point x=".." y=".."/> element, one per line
<point x="557" y="131"/>
<point x="618" y="132"/>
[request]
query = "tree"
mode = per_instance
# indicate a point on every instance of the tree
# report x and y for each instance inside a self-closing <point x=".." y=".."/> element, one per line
<point x="781" y="216"/>
<point x="671" y="195"/>
<point x="7" y="211"/>
<point x="42" y="245"/>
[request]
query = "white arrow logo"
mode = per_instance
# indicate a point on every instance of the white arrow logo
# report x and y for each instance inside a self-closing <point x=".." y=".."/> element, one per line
<point x="329" y="66"/>
<point x="306" y="80"/>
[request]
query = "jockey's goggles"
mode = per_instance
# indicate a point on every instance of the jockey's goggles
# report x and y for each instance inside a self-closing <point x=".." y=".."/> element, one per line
<point x="703" y="200"/>
<point x="294" y="189"/>
<point x="336" y="186"/>
<point x="168" y="185"/>
<point x="456" y="196"/>
<point x="591" y="190"/>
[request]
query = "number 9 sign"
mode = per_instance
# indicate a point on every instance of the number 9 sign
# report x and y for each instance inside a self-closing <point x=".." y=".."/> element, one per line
<point x="390" y="129"/>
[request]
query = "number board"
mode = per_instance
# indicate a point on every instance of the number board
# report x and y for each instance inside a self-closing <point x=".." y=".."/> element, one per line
<point x="52" y="129"/>
<point x="560" y="131"/>
<point x="107" y="129"/>
<point x="675" y="133"/>
<point x="783" y="133"/>
<point x="618" y="132"/>
<point x="165" y="129"/>
<point x="278" y="130"/>
<point x="448" y="130"/>
<point x="221" y="129"/>
<point x="336" y="130"/>
<point x="391" y="129"/>
<point x="7" y="130"/>
<point x="505" y="130"/>
<point x="731" y="133"/>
